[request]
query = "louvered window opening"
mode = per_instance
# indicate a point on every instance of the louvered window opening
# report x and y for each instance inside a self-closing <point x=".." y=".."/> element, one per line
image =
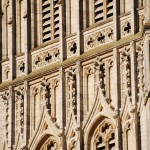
<point x="103" y="9"/>
<point x="50" y="20"/>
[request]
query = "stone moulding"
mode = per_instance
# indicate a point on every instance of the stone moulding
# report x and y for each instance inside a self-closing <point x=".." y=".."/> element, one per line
<point x="55" y="66"/>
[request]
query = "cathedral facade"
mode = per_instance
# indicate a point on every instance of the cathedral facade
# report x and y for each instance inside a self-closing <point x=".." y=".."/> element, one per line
<point x="75" y="74"/>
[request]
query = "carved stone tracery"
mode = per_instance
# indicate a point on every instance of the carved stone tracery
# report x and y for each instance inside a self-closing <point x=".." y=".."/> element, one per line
<point x="99" y="67"/>
<point x="104" y="137"/>
<point x="98" y="38"/>
<point x="50" y="144"/>
<point x="19" y="107"/>
<point x="45" y="58"/>
<point x="126" y="73"/>
<point x="71" y="83"/>
<point x="5" y="99"/>
<point x="140" y="71"/>
<point x="45" y="85"/>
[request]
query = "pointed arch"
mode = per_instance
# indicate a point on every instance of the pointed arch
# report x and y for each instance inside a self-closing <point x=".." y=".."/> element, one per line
<point x="46" y="129"/>
<point x="95" y="133"/>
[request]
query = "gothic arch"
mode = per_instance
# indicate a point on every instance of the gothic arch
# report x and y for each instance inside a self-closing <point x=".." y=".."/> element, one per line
<point x="47" y="140"/>
<point x="99" y="121"/>
<point x="43" y="132"/>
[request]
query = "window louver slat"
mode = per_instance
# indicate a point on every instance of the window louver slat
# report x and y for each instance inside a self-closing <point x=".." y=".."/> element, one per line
<point x="103" y="9"/>
<point x="50" y="22"/>
<point x="46" y="17"/>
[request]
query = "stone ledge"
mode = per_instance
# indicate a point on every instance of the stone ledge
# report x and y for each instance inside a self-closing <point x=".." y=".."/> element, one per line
<point x="54" y="67"/>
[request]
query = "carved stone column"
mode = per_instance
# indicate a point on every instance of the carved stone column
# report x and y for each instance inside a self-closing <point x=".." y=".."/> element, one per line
<point x="133" y="16"/>
<point x="27" y="35"/>
<point x="79" y="26"/>
<point x="62" y="12"/>
<point x="134" y="96"/>
<point x="79" y="77"/>
<point x="12" y="38"/>
<point x="146" y="115"/>
<point x="62" y="106"/>
<point x="118" y="134"/>
<point x="147" y="10"/>
<point x="11" y="119"/>
<point x="26" y="114"/>
<point x="116" y="23"/>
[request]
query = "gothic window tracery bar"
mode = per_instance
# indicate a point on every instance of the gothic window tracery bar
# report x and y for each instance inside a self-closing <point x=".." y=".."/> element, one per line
<point x="104" y="137"/>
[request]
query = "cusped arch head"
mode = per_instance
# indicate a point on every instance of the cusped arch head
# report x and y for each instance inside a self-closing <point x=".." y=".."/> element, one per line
<point x="90" y="131"/>
<point x="47" y="140"/>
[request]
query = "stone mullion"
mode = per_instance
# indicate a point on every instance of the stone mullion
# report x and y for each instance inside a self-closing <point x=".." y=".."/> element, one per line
<point x="85" y="16"/>
<point x="11" y="119"/>
<point x="52" y="19"/>
<point x="39" y="23"/>
<point x="5" y="116"/>
<point x="32" y="112"/>
<point x="33" y="25"/>
<point x="107" y="81"/>
<point x="53" y="112"/>
<point x="11" y="39"/>
<point x="134" y="96"/>
<point x="18" y="28"/>
<point x="104" y="9"/>
<point x="68" y="4"/>
<point x="26" y="40"/>
<point x="86" y="93"/>
<point x="125" y="141"/>
<point x="26" y="113"/>
<point x="133" y="16"/>
<point x="118" y="131"/>
<point x="147" y="10"/>
<point x="79" y="104"/>
<point x="61" y="107"/>
<point x="62" y="31"/>
<point x="79" y="24"/>
<point x="91" y="12"/>
<point x="147" y="88"/>
<point x="116" y="24"/>
<point x="147" y="60"/>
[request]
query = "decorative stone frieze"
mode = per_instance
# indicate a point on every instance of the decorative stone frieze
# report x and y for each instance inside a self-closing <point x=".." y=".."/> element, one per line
<point x="45" y="58"/>
<point x="98" y="38"/>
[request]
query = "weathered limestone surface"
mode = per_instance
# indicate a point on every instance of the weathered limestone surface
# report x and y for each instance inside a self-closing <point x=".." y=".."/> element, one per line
<point x="75" y="75"/>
